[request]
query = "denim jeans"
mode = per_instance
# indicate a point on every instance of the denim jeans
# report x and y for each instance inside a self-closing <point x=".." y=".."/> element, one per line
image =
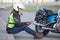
<point x="21" y="28"/>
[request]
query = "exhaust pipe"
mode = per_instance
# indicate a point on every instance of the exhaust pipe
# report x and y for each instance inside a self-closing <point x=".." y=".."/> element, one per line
<point x="39" y="24"/>
<point x="46" y="28"/>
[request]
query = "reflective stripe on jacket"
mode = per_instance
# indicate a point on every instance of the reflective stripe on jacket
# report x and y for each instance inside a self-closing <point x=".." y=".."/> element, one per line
<point x="11" y="21"/>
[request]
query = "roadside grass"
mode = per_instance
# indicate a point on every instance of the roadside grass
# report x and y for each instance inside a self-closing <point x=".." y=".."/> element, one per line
<point x="55" y="11"/>
<point x="34" y="8"/>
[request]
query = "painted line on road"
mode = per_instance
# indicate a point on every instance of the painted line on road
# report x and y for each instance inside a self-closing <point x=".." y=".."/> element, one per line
<point x="10" y="36"/>
<point x="2" y="20"/>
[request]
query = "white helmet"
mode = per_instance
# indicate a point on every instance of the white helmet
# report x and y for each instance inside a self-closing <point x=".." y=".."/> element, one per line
<point x="20" y="5"/>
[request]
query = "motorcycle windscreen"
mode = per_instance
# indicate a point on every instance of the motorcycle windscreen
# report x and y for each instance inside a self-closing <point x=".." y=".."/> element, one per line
<point x="51" y="18"/>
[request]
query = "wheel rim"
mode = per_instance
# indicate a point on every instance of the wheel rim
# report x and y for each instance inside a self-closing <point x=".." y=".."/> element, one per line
<point x="39" y="29"/>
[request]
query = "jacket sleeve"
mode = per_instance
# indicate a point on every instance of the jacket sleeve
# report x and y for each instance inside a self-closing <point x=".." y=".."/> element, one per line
<point x="17" y="20"/>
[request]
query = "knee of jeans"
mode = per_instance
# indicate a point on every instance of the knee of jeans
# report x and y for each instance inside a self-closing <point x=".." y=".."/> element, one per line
<point x="24" y="26"/>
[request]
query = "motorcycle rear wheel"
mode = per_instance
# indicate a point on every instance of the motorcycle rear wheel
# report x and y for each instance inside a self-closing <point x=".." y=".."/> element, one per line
<point x="38" y="29"/>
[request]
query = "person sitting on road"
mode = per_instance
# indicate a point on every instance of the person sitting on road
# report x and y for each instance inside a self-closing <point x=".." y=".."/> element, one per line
<point x="15" y="25"/>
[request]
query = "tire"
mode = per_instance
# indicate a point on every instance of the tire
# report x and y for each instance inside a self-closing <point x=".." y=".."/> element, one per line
<point x="45" y="32"/>
<point x="39" y="29"/>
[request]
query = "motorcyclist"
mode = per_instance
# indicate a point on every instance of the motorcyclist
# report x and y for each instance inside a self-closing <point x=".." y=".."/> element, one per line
<point x="15" y="25"/>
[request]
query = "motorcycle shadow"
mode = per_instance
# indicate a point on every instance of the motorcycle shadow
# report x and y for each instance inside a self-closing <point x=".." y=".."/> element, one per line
<point x="53" y="35"/>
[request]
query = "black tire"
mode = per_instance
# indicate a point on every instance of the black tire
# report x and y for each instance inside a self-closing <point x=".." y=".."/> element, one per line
<point x="45" y="32"/>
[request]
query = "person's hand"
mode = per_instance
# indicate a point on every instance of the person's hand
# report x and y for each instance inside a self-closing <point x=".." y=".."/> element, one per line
<point x="28" y="23"/>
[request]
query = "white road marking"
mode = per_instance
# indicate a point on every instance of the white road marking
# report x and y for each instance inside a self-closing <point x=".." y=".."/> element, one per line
<point x="2" y="21"/>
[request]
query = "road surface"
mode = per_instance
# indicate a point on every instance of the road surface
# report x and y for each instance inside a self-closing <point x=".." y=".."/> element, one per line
<point x="23" y="35"/>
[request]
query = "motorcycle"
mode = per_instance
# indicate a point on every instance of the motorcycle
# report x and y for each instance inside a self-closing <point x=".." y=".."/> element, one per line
<point x="49" y="21"/>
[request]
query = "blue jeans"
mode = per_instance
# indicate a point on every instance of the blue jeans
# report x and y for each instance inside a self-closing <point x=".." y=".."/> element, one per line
<point x="21" y="28"/>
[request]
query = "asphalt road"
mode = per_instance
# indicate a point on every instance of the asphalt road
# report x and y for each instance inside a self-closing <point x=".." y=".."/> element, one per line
<point x="23" y="35"/>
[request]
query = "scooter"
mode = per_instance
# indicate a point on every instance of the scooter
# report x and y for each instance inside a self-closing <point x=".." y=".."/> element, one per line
<point x="46" y="23"/>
